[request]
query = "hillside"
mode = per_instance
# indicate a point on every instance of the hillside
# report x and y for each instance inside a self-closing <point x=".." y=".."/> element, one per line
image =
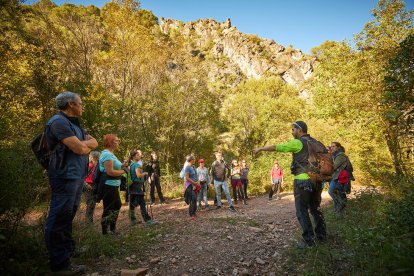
<point x="232" y="56"/>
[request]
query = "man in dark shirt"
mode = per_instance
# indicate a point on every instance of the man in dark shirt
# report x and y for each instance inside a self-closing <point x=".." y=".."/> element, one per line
<point x="154" y="173"/>
<point x="307" y="194"/>
<point x="219" y="174"/>
<point x="69" y="146"/>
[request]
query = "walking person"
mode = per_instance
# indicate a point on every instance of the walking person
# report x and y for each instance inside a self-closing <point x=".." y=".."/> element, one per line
<point x="236" y="183"/>
<point x="276" y="177"/>
<point x="112" y="170"/>
<point x="244" y="177"/>
<point x="68" y="168"/>
<point x="219" y="173"/>
<point x="204" y="178"/>
<point x="154" y="173"/>
<point x="191" y="186"/>
<point x="307" y="195"/>
<point x="136" y="189"/>
<point x="89" y="186"/>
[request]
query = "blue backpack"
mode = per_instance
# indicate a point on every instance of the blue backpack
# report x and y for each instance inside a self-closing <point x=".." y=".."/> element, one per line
<point x="182" y="173"/>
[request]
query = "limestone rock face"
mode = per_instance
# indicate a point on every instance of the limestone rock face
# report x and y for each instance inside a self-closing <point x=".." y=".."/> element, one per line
<point x="232" y="56"/>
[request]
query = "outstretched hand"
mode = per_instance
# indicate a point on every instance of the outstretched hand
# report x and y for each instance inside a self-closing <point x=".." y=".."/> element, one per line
<point x="256" y="151"/>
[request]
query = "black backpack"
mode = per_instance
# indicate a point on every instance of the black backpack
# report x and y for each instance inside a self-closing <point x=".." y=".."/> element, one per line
<point x="349" y="169"/>
<point x="98" y="180"/>
<point x="41" y="150"/>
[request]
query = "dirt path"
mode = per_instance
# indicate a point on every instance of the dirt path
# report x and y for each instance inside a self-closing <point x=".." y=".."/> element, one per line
<point x="252" y="241"/>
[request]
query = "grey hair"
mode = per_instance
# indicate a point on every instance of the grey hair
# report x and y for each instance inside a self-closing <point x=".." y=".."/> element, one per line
<point x="95" y="154"/>
<point x="189" y="158"/>
<point x="64" y="98"/>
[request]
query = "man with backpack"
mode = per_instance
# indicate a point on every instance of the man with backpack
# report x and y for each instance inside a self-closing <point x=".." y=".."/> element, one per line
<point x="341" y="177"/>
<point x="69" y="146"/>
<point x="307" y="193"/>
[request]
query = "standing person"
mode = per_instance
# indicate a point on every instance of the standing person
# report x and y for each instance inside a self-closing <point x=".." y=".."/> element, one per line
<point x="339" y="179"/>
<point x="191" y="186"/>
<point x="236" y="183"/>
<point x="112" y="169"/>
<point x="136" y="189"/>
<point x="68" y="167"/>
<point x="89" y="186"/>
<point x="244" y="176"/>
<point x="204" y="178"/>
<point x="218" y="178"/>
<point x="154" y="173"/>
<point x="307" y="194"/>
<point x="276" y="178"/>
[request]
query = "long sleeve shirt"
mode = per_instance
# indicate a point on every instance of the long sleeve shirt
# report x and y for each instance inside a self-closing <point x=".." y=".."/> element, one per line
<point x="294" y="146"/>
<point x="203" y="174"/>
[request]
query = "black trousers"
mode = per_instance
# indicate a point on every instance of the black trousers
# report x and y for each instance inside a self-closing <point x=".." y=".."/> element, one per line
<point x="155" y="183"/>
<point x="245" y="183"/>
<point x="191" y="199"/>
<point x="112" y="205"/>
<point x="308" y="199"/>
<point x="138" y="200"/>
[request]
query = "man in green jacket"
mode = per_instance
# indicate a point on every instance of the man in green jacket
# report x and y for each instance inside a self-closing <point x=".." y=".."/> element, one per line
<point x="307" y="194"/>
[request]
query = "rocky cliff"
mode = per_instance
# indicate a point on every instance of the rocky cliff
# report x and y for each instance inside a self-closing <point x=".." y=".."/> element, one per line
<point x="233" y="56"/>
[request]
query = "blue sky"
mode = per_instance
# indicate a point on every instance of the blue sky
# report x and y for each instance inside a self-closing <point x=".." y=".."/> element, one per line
<point x="301" y="23"/>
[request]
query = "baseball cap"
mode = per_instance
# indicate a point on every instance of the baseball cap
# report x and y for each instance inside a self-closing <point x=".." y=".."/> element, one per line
<point x="201" y="161"/>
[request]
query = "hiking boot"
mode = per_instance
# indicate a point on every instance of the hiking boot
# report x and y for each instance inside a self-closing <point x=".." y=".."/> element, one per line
<point x="218" y="207"/>
<point x="135" y="222"/>
<point x="305" y="245"/>
<point x="114" y="233"/>
<point x="70" y="270"/>
<point x="151" y="222"/>
<point x="232" y="209"/>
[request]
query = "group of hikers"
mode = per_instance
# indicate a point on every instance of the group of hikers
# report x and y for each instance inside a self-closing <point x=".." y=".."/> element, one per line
<point x="70" y="173"/>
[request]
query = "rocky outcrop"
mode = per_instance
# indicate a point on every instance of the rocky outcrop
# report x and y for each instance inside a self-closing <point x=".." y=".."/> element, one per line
<point x="233" y="56"/>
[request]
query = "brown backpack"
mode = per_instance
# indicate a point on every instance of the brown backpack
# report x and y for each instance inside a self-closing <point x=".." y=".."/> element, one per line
<point x="320" y="168"/>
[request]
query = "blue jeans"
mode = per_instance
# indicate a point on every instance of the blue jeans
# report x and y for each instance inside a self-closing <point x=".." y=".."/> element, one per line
<point x="337" y="192"/>
<point x="66" y="195"/>
<point x="223" y="184"/>
<point x="202" y="194"/>
<point x="308" y="199"/>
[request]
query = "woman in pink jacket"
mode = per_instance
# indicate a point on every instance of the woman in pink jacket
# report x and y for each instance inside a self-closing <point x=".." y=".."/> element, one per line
<point x="276" y="175"/>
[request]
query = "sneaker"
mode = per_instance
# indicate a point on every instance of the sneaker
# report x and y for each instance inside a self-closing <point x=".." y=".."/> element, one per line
<point x="244" y="202"/>
<point x="151" y="222"/>
<point x="232" y="209"/>
<point x="218" y="207"/>
<point x="163" y="202"/>
<point x="71" y="270"/>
